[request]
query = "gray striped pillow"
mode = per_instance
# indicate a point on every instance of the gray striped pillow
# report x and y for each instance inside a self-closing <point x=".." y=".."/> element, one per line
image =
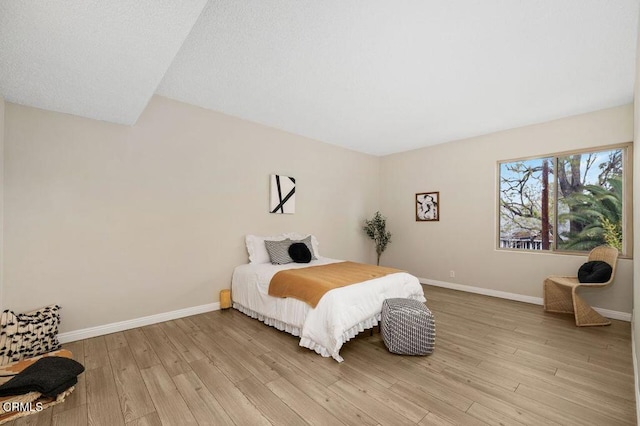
<point x="279" y="251"/>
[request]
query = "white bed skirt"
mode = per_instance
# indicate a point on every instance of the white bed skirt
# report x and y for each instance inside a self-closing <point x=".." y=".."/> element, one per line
<point x="308" y="343"/>
<point x="282" y="326"/>
<point x="340" y="315"/>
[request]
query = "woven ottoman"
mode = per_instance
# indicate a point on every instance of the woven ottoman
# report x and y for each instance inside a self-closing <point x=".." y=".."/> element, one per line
<point x="408" y="327"/>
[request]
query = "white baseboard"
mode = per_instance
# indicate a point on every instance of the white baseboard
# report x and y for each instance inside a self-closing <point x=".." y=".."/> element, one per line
<point x="635" y="370"/>
<point x="622" y="316"/>
<point x="100" y="330"/>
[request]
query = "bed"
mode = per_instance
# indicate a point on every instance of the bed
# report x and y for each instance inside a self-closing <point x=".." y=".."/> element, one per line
<point x="340" y="314"/>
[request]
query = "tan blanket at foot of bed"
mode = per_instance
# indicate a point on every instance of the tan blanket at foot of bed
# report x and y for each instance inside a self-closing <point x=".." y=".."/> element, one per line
<point x="310" y="284"/>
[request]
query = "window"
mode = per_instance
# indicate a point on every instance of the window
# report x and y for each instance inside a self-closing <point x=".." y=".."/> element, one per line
<point x="566" y="202"/>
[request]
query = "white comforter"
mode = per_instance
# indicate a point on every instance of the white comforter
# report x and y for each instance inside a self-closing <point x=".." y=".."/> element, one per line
<point x="340" y="315"/>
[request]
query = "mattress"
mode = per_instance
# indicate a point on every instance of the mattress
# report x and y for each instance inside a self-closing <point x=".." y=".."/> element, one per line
<point x="340" y="315"/>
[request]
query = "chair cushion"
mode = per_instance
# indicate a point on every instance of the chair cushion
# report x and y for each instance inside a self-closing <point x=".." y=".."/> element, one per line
<point x="595" y="271"/>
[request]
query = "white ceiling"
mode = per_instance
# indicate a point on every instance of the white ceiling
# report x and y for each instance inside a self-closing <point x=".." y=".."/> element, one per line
<point x="374" y="76"/>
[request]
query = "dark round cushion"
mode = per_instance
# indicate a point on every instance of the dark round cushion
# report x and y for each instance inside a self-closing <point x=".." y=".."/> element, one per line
<point x="300" y="253"/>
<point x="595" y="271"/>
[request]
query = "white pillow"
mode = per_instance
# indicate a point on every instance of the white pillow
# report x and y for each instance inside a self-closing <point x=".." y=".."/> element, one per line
<point x="258" y="251"/>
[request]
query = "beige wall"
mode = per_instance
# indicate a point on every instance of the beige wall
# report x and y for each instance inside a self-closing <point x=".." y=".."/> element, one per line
<point x="636" y="220"/>
<point x="1" y="200"/>
<point x="116" y="222"/>
<point x="465" y="237"/>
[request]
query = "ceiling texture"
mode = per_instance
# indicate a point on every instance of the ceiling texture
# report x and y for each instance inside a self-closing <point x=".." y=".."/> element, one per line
<point x="373" y="76"/>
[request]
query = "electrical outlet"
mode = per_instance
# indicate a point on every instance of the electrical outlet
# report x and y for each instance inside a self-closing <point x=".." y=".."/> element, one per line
<point x="452" y="274"/>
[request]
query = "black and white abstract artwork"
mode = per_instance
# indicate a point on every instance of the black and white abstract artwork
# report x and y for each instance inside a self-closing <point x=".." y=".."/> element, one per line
<point x="428" y="206"/>
<point x="283" y="194"/>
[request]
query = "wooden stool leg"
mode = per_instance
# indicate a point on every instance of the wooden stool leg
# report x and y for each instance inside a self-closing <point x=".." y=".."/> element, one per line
<point x="585" y="315"/>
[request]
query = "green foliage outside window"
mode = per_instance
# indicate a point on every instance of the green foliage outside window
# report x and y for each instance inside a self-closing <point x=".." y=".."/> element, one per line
<point x="571" y="202"/>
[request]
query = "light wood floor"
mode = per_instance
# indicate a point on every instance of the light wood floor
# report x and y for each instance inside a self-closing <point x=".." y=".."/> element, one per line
<point x="496" y="362"/>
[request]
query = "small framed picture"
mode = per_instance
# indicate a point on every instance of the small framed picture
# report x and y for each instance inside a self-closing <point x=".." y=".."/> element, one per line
<point x="427" y="206"/>
<point x="283" y="195"/>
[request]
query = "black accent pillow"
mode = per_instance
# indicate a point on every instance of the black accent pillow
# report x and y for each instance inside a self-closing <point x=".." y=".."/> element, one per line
<point x="595" y="271"/>
<point x="300" y="253"/>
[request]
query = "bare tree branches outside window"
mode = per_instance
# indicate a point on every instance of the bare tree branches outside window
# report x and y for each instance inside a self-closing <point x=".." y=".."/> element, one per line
<point x="570" y="202"/>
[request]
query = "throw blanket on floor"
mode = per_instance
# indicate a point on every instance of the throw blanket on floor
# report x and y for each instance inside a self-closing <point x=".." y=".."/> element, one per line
<point x="33" y="401"/>
<point x="310" y="284"/>
<point x="49" y="375"/>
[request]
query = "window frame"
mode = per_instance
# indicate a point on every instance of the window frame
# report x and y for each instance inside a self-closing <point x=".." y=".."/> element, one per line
<point x="627" y="188"/>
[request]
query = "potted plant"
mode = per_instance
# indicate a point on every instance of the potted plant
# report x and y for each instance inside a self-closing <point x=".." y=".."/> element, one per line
<point x="376" y="229"/>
